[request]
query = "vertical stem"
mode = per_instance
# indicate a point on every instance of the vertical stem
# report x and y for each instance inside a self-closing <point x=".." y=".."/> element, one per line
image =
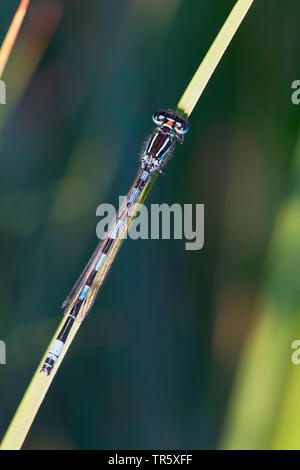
<point x="213" y="57"/>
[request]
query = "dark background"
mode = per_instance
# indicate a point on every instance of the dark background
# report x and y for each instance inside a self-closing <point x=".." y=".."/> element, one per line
<point x="183" y="349"/>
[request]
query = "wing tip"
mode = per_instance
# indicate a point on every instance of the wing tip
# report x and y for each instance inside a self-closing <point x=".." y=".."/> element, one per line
<point x="65" y="303"/>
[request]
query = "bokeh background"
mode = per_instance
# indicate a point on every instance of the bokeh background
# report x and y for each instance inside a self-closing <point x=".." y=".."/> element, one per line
<point x="183" y="349"/>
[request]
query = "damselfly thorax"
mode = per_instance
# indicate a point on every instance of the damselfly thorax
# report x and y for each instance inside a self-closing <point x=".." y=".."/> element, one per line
<point x="170" y="130"/>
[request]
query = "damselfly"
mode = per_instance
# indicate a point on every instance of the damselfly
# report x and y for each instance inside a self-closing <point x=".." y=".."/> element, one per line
<point x="170" y="129"/>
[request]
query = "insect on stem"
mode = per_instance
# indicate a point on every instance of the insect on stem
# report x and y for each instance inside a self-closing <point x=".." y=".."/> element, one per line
<point x="170" y="129"/>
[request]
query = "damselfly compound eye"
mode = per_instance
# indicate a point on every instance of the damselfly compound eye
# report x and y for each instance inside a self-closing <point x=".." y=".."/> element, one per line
<point x="159" y="117"/>
<point x="181" y="127"/>
<point x="178" y="127"/>
<point x="186" y="127"/>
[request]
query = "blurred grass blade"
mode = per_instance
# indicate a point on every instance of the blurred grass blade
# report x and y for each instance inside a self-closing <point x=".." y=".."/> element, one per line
<point x="40" y="383"/>
<point x="213" y="57"/>
<point x="264" y="410"/>
<point x="28" y="52"/>
<point x="12" y="34"/>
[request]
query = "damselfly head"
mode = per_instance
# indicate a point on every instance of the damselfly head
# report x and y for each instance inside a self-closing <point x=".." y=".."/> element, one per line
<point x="171" y="120"/>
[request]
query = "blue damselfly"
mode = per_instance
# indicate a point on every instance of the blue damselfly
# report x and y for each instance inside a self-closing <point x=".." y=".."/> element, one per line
<point x="170" y="129"/>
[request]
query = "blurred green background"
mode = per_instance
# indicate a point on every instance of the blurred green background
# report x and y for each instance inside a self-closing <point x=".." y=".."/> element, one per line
<point x="183" y="349"/>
